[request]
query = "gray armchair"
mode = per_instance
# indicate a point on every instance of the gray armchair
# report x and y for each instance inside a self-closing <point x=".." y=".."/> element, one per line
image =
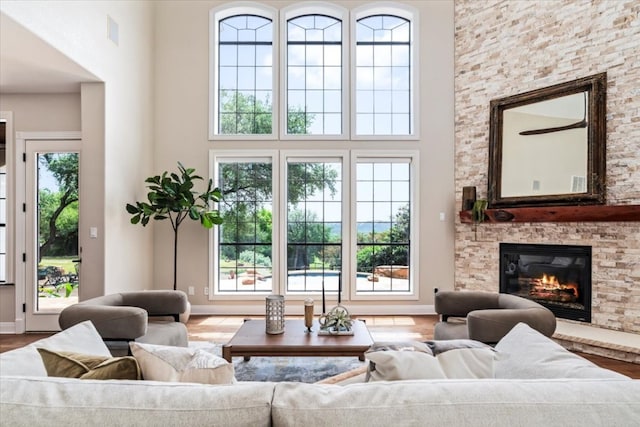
<point x="143" y="316"/>
<point x="487" y="316"/>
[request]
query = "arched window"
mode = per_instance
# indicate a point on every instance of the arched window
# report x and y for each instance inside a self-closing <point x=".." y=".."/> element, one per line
<point x="314" y="75"/>
<point x="243" y="95"/>
<point x="383" y="75"/>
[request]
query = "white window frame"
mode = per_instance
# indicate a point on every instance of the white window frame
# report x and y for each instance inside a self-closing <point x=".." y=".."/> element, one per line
<point x="230" y="155"/>
<point x="315" y="156"/>
<point x="349" y="159"/>
<point x="411" y="14"/>
<point x="215" y="16"/>
<point x="414" y="247"/>
<point x="11" y="263"/>
<point x="314" y="8"/>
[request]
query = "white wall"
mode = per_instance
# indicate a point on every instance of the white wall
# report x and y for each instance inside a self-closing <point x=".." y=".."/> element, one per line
<point x="182" y="31"/>
<point x="43" y="112"/>
<point x="120" y="143"/>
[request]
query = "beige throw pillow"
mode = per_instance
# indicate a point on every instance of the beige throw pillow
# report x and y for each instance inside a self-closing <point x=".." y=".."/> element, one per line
<point x="182" y="364"/>
<point x="416" y="365"/>
<point x="76" y="365"/>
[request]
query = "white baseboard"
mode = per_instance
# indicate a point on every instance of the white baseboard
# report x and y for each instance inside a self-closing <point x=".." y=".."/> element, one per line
<point x="298" y="309"/>
<point x="7" y="328"/>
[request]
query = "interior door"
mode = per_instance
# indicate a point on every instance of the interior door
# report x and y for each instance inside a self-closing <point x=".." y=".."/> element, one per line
<point x="52" y="258"/>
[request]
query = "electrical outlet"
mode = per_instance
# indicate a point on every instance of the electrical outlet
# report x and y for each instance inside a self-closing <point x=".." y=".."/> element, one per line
<point x="206" y="290"/>
<point x="192" y="290"/>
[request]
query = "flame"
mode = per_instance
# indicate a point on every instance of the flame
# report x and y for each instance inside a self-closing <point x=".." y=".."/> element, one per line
<point x="551" y="282"/>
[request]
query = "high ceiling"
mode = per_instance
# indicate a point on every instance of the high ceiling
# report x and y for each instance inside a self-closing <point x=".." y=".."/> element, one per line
<point x="30" y="65"/>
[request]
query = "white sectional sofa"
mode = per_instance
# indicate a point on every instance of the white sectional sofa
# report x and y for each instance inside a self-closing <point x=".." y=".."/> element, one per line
<point x="536" y="383"/>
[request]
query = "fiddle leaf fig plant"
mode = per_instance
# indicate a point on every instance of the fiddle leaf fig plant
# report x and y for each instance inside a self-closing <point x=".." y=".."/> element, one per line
<point x="172" y="196"/>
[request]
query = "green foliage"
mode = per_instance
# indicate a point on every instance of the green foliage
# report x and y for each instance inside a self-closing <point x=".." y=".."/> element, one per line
<point x="254" y="259"/>
<point x="397" y="253"/>
<point x="171" y="196"/>
<point x="58" y="210"/>
<point x="246" y="205"/>
<point x="244" y="114"/>
<point x="61" y="221"/>
<point x="336" y="320"/>
<point x="478" y="210"/>
<point x="304" y="228"/>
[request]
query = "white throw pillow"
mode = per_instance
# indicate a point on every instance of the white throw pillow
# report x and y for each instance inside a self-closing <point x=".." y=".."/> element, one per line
<point x="466" y="363"/>
<point x="395" y="365"/>
<point x="462" y="363"/>
<point x="80" y="338"/>
<point x="182" y="364"/>
<point x="527" y="354"/>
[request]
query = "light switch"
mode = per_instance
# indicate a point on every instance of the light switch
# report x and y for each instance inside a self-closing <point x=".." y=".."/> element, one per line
<point x="93" y="232"/>
<point x="441" y="216"/>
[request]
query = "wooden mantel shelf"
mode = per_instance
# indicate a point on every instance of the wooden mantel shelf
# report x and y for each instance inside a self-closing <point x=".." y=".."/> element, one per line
<point x="591" y="213"/>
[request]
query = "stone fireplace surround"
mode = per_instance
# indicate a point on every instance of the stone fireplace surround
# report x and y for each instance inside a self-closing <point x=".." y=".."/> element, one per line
<point x="503" y="48"/>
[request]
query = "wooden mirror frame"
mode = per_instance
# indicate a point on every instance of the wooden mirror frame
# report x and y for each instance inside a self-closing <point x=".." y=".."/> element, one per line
<point x="595" y="87"/>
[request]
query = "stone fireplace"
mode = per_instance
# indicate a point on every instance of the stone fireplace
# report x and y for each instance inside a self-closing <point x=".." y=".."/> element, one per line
<point x="556" y="276"/>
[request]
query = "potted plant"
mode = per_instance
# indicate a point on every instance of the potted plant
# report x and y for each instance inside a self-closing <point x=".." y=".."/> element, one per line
<point x="478" y="213"/>
<point x="171" y="196"/>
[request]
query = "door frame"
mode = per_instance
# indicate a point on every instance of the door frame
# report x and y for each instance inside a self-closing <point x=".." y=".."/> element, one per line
<point x="21" y="216"/>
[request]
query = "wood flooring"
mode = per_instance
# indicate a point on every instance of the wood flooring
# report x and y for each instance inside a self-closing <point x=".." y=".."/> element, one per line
<point x="220" y="329"/>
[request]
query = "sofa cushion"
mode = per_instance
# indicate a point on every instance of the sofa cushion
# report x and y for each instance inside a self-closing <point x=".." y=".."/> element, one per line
<point x="413" y="365"/>
<point x="84" y="366"/>
<point x="80" y="338"/>
<point x="71" y="402"/>
<point x="182" y="364"/>
<point x="526" y="353"/>
<point x="490" y="402"/>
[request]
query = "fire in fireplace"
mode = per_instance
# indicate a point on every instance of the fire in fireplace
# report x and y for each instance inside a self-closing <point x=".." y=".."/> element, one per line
<point x="556" y="276"/>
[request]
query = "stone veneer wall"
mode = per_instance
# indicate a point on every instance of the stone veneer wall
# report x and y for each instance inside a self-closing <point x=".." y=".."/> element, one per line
<point x="507" y="47"/>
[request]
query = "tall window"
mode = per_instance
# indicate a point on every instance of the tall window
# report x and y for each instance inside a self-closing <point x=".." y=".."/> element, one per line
<point x="300" y="218"/>
<point x="317" y="220"/>
<point x="383" y="76"/>
<point x="245" y="250"/>
<point x="314" y="224"/>
<point x="383" y="205"/>
<point x="4" y="237"/>
<point x="3" y="220"/>
<point x="244" y="63"/>
<point x="314" y="75"/>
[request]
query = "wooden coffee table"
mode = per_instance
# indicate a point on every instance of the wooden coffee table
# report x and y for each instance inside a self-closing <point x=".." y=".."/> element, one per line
<point x="252" y="340"/>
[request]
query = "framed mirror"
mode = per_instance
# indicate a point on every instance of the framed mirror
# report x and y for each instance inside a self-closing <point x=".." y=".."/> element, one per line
<point x="547" y="146"/>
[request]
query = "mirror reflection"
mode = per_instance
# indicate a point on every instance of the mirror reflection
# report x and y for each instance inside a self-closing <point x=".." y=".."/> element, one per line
<point x="547" y="146"/>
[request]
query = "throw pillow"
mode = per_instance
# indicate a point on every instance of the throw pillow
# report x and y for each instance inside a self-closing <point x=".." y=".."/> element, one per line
<point x="463" y="363"/>
<point x="527" y="354"/>
<point x="393" y="365"/>
<point x="440" y="346"/>
<point x="26" y="361"/>
<point x="182" y="364"/>
<point x="394" y="346"/>
<point x="468" y="363"/>
<point x="76" y="365"/>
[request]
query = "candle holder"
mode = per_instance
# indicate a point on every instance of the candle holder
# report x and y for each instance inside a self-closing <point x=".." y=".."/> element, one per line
<point x="274" y="316"/>
<point x="308" y="314"/>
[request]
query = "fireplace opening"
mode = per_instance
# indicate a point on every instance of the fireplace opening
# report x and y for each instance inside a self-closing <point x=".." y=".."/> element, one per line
<point x="556" y="276"/>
